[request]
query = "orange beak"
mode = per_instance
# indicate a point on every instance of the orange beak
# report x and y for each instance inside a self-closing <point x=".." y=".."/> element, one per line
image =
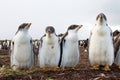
<point x="29" y="24"/>
<point x="79" y="27"/>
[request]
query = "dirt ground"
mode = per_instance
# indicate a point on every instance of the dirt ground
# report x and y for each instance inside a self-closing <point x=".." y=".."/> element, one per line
<point x="81" y="72"/>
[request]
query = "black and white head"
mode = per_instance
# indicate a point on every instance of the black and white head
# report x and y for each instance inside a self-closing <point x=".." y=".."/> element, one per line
<point x="50" y="31"/>
<point x="115" y="33"/>
<point x="24" y="27"/>
<point x="101" y="19"/>
<point x="74" y="28"/>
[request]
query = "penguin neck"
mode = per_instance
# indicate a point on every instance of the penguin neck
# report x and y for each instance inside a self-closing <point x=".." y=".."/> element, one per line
<point x="50" y="36"/>
<point x="50" y="39"/>
<point x="103" y="23"/>
<point x="72" y="35"/>
<point x="72" y="31"/>
<point x="23" y="31"/>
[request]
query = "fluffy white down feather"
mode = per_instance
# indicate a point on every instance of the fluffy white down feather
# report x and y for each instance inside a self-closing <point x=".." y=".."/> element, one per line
<point x="49" y="52"/>
<point x="22" y="51"/>
<point x="71" y="52"/>
<point x="101" y="50"/>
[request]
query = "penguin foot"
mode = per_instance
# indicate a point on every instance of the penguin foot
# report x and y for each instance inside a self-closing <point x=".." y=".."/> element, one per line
<point x="54" y="68"/>
<point x="107" y="68"/>
<point x="73" y="68"/>
<point x="95" y="67"/>
<point x="119" y="67"/>
<point x="43" y="68"/>
<point x="15" y="68"/>
<point x="63" y="68"/>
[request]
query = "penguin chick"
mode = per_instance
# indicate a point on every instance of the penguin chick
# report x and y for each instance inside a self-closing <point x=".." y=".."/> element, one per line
<point x="101" y="51"/>
<point x="22" y="55"/>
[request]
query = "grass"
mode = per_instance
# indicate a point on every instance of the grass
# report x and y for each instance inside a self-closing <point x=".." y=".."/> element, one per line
<point x="49" y="78"/>
<point x="6" y="70"/>
<point x="9" y="73"/>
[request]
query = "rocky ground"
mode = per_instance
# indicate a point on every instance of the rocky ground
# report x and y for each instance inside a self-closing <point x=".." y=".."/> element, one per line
<point x="81" y="72"/>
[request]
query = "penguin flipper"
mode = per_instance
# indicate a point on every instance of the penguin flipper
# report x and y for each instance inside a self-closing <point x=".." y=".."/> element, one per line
<point x="32" y="53"/>
<point x="12" y="52"/>
<point x="116" y="44"/>
<point x="62" y="42"/>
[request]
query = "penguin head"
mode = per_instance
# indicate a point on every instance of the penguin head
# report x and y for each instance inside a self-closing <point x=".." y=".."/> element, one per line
<point x="23" y="27"/>
<point x="116" y="32"/>
<point x="74" y="28"/>
<point x="101" y="19"/>
<point x="50" y="31"/>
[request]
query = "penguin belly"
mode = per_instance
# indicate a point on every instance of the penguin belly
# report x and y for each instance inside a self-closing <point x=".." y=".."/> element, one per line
<point x="49" y="55"/>
<point x="101" y="50"/>
<point x="23" y="55"/>
<point x="70" y="55"/>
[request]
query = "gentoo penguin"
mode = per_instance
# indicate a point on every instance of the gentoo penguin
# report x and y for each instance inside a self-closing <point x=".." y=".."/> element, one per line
<point x="22" y="55"/>
<point x="70" y="47"/>
<point x="36" y="50"/>
<point x="101" y="51"/>
<point x="117" y="50"/>
<point x="49" y="49"/>
<point x="5" y="44"/>
<point x="115" y="34"/>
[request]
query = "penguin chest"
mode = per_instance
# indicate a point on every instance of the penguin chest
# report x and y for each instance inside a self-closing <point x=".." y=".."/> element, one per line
<point x="70" y="54"/>
<point x="22" y="52"/>
<point x="50" y="47"/>
<point x="101" y="47"/>
<point x="71" y="45"/>
<point x="50" y="52"/>
<point x="100" y="38"/>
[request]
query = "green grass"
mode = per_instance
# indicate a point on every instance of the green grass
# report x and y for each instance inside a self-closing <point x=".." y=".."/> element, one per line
<point x="49" y="78"/>
<point x="6" y="71"/>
